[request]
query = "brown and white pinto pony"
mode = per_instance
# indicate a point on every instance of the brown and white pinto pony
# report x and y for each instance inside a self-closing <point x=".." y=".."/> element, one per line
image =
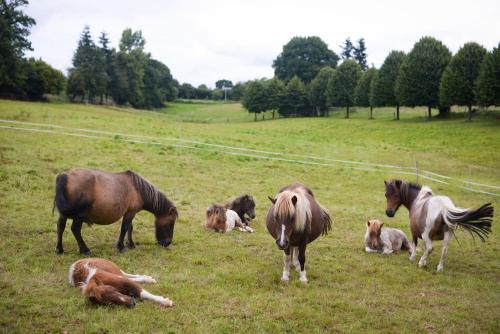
<point x="296" y="219"/>
<point x="434" y="217"/>
<point x="102" y="282"/>
<point x="97" y="197"/>
<point x="222" y="220"/>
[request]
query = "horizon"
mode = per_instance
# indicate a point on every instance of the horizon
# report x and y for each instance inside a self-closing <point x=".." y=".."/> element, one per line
<point x="204" y="42"/>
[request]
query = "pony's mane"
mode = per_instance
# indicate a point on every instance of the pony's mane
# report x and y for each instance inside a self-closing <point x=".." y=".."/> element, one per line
<point x="284" y="208"/>
<point x="406" y="188"/>
<point x="154" y="200"/>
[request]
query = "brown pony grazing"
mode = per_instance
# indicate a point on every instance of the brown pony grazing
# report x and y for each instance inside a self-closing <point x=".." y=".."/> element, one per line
<point x="242" y="205"/>
<point x="434" y="217"/>
<point x="294" y="220"/>
<point x="102" y="282"/>
<point x="97" y="197"/>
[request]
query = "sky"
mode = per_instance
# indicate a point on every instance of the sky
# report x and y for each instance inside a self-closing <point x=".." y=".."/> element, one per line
<point x="204" y="41"/>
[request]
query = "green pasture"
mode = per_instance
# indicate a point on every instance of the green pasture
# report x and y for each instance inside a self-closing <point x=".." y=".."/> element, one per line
<point x="226" y="283"/>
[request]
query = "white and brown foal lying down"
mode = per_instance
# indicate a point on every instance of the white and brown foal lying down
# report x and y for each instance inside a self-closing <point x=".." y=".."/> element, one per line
<point x="434" y="217"/>
<point x="102" y="282"/>
<point x="221" y="219"/>
<point x="385" y="240"/>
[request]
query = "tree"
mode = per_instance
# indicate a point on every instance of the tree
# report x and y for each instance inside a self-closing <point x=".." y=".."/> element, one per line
<point x="341" y="87"/>
<point x="187" y="91"/>
<point x="255" y="99"/>
<point x="41" y="78"/>
<point x="294" y="100"/>
<point x="347" y="49"/>
<point x="487" y="86"/>
<point x="382" y="92"/>
<point x="420" y="74"/>
<point x="275" y="88"/>
<point x="157" y="82"/>
<point x="457" y="83"/>
<point x="317" y="90"/>
<point x="108" y="60"/>
<point x="223" y="83"/>
<point x="362" y="91"/>
<point x="14" y="30"/>
<point x="203" y="92"/>
<point x="303" y="57"/>
<point x="360" y="54"/>
<point x="217" y="94"/>
<point x="238" y="91"/>
<point x="131" y="40"/>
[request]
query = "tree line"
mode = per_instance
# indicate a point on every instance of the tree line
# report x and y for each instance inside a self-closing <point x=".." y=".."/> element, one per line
<point x="308" y="82"/>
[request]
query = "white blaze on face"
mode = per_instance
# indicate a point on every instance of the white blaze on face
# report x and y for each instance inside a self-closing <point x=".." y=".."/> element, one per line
<point x="282" y="236"/>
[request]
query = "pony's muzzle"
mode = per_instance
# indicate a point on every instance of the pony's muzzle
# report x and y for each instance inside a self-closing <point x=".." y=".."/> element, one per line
<point x="390" y="212"/>
<point x="282" y="245"/>
<point x="164" y="243"/>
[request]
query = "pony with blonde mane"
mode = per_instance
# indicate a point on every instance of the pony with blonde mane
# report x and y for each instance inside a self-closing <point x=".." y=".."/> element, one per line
<point x="296" y="219"/>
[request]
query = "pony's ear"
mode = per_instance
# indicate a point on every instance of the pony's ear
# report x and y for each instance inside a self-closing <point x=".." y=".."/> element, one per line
<point x="385" y="182"/>
<point x="294" y="200"/>
<point x="173" y="211"/>
<point x="272" y="199"/>
<point x="368" y="223"/>
<point x="381" y="224"/>
<point x="398" y="184"/>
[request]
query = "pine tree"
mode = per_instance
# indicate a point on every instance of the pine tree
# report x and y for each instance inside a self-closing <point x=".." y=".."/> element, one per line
<point x="347" y="49"/>
<point x="360" y="54"/>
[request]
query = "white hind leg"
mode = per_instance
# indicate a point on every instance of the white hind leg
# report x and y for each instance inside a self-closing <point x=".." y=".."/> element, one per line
<point x="158" y="299"/>
<point x="139" y="278"/>
<point x="427" y="249"/>
<point x="444" y="251"/>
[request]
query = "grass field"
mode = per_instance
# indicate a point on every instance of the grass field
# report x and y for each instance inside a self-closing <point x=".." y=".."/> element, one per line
<point x="225" y="283"/>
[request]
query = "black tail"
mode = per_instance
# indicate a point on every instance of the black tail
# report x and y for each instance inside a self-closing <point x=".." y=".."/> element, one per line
<point x="62" y="202"/>
<point x="474" y="221"/>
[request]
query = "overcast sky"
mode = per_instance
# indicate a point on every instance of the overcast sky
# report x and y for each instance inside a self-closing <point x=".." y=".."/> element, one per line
<point x="203" y="41"/>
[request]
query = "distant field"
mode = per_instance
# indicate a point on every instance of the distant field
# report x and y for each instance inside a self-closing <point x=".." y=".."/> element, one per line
<point x="230" y="283"/>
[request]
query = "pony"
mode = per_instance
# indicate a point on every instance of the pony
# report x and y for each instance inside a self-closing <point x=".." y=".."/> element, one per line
<point x="220" y="219"/>
<point x="243" y="205"/>
<point x="103" y="282"/>
<point x="295" y="219"/>
<point x="434" y="217"/>
<point x="385" y="240"/>
<point x="97" y="197"/>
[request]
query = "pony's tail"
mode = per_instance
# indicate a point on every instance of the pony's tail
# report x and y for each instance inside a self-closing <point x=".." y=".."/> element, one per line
<point x="327" y="220"/>
<point x="62" y="202"/>
<point x="476" y="222"/>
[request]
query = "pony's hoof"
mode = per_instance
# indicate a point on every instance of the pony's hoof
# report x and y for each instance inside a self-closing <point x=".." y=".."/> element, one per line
<point x="422" y="264"/>
<point x="86" y="252"/>
<point x="131" y="245"/>
<point x="439" y="268"/>
<point x="167" y="302"/>
<point x="285" y="278"/>
<point x="121" y="249"/>
<point x="303" y="280"/>
<point x="59" y="251"/>
<point x="132" y="303"/>
<point x="412" y="258"/>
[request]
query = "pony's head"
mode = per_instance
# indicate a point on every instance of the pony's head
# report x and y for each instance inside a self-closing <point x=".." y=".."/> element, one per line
<point x="164" y="224"/>
<point x="291" y="212"/>
<point x="373" y="229"/>
<point x="393" y="195"/>
<point x="246" y="204"/>
<point x="216" y="218"/>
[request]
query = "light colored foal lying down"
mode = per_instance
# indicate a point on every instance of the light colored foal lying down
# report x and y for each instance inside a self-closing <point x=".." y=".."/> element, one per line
<point x="384" y="240"/>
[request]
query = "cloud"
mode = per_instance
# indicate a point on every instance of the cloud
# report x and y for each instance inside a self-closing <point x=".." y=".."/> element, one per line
<point x="203" y="41"/>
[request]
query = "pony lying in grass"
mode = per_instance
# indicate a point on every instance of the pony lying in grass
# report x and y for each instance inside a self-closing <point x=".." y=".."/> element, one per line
<point x="296" y="219"/>
<point x="220" y="219"/>
<point x="243" y="205"/>
<point x="102" y="282"/>
<point x="385" y="240"/>
<point x="97" y="197"/>
<point x="434" y="217"/>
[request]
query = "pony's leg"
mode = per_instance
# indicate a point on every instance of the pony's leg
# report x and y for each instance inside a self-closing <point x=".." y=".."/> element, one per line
<point x="131" y="243"/>
<point x="427" y="249"/>
<point x="287" y="259"/>
<point x="302" y="260"/>
<point x="444" y="251"/>
<point x="61" y="226"/>
<point x="370" y="250"/>
<point x="295" y="258"/>
<point x="126" y="223"/>
<point x="76" y="228"/>
<point x="413" y="249"/>
<point x="107" y="294"/>
<point x="139" y="278"/>
<point x="164" y="301"/>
